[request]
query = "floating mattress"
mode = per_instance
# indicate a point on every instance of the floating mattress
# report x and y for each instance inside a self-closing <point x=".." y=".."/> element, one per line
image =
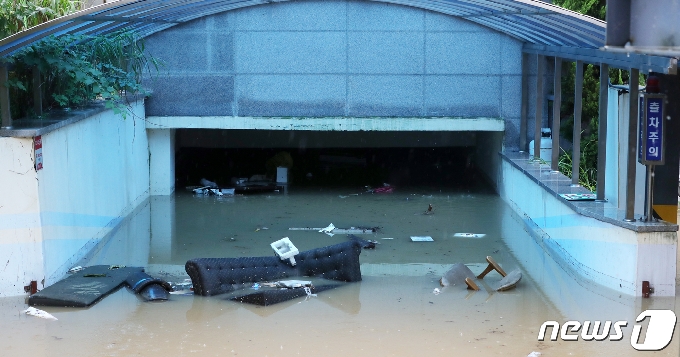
<point x="83" y="288"/>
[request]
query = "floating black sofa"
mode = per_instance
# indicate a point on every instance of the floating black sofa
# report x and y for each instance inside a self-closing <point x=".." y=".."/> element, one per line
<point x="214" y="276"/>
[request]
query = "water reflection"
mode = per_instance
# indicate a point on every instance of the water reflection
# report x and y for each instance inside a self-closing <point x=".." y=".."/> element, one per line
<point x="393" y="311"/>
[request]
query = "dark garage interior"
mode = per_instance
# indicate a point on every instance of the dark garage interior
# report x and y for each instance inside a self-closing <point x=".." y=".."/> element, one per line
<point x="405" y="160"/>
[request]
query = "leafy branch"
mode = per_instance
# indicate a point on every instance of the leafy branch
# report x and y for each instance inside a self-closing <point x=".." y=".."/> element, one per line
<point x="77" y="70"/>
<point x="19" y="15"/>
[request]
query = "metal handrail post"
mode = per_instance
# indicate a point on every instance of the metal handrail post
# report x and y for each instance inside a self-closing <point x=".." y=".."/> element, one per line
<point x="557" y="103"/>
<point x="632" y="145"/>
<point x="602" y="131"/>
<point x="649" y="194"/>
<point x="524" y="104"/>
<point x="578" y="103"/>
<point x="540" y="69"/>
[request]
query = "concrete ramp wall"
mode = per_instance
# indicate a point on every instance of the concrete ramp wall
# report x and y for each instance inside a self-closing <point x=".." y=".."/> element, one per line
<point x="95" y="172"/>
<point x="590" y="249"/>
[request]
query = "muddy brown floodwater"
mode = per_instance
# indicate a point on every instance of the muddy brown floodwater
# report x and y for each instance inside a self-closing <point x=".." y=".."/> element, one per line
<point x="392" y="312"/>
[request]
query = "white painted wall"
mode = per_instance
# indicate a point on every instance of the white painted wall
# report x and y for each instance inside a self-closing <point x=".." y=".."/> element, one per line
<point x="21" y="248"/>
<point x="603" y="253"/>
<point x="161" y="161"/>
<point x="566" y="291"/>
<point x="617" y="155"/>
<point x="95" y="172"/>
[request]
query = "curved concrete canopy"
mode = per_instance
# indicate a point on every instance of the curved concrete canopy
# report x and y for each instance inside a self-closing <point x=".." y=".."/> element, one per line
<point x="530" y="21"/>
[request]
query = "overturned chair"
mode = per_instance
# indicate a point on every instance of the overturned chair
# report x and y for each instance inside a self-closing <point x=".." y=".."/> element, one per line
<point x="460" y="273"/>
<point x="328" y="267"/>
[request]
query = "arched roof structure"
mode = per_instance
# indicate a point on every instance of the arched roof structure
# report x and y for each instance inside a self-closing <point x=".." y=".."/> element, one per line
<point x="530" y="21"/>
<point x="544" y="28"/>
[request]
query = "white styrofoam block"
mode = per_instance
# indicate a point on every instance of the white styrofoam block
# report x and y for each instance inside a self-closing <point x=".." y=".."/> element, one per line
<point x="285" y="249"/>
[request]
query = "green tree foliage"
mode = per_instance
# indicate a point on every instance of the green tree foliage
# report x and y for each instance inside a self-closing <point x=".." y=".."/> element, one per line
<point x="76" y="70"/>
<point x="19" y="15"/>
<point x="592" y="8"/>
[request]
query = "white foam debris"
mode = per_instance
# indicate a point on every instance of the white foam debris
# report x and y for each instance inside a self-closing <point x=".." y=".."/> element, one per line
<point x="39" y="313"/>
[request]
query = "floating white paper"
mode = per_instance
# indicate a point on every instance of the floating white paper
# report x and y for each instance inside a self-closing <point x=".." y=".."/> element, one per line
<point x="422" y="239"/>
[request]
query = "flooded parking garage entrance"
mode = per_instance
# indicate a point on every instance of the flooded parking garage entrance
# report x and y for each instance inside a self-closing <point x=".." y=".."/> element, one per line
<point x="329" y="158"/>
<point x="353" y="64"/>
<point x="393" y="311"/>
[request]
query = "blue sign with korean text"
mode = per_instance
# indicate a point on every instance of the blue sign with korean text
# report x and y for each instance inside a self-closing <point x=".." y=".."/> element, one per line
<point x="652" y="130"/>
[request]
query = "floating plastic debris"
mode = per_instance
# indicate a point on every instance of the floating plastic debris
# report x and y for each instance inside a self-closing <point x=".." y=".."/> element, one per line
<point x="328" y="229"/>
<point x="285" y="249"/>
<point x="430" y="209"/>
<point x="421" y="239"/>
<point x="75" y="269"/>
<point x="469" y="235"/>
<point x="214" y="191"/>
<point x="332" y="230"/>
<point x="39" y="313"/>
<point x="291" y="284"/>
<point x="184" y="288"/>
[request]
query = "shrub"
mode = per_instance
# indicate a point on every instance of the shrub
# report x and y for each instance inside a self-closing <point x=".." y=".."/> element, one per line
<point x="77" y="70"/>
